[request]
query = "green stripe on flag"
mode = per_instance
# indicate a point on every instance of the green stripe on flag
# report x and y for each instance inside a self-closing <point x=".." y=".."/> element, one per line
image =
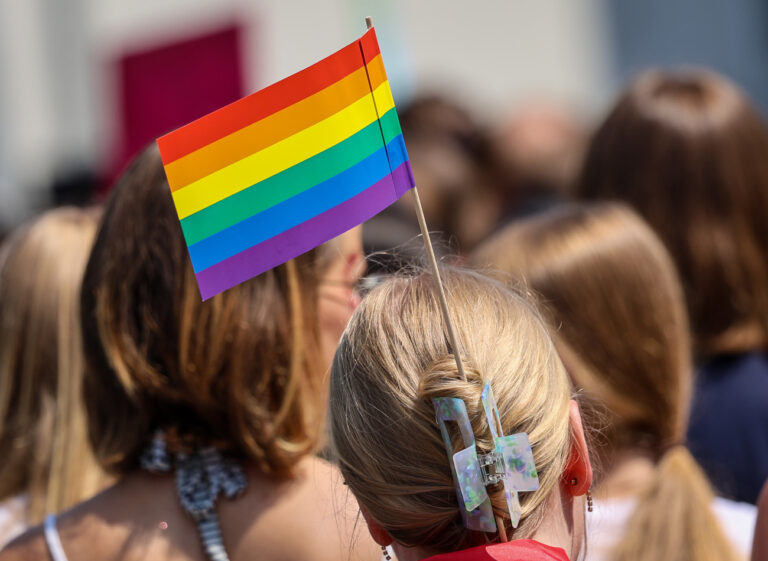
<point x="291" y="181"/>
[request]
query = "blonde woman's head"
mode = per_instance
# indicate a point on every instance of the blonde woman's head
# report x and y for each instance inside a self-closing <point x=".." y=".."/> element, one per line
<point x="394" y="357"/>
<point x="43" y="442"/>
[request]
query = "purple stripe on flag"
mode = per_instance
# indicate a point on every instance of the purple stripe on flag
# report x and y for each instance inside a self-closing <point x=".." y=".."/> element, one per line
<point x="307" y="235"/>
<point x="403" y="178"/>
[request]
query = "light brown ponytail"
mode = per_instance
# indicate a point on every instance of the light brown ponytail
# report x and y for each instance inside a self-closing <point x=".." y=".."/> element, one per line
<point x="616" y="310"/>
<point x="673" y="519"/>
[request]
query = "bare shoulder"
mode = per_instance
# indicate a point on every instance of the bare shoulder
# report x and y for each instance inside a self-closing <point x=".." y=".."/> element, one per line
<point x="122" y="522"/>
<point x="30" y="546"/>
<point x="321" y="475"/>
<point x="323" y="488"/>
<point x="341" y="530"/>
<point x="760" y="543"/>
<point x="314" y="493"/>
<point x="318" y="507"/>
<point x="762" y="502"/>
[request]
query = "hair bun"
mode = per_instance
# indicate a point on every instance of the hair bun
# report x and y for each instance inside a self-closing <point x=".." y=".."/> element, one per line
<point x="442" y="379"/>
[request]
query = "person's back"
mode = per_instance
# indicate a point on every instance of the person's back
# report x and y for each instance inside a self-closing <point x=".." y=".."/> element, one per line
<point x="210" y="412"/>
<point x="308" y="517"/>
<point x="689" y="151"/>
<point x="617" y="315"/>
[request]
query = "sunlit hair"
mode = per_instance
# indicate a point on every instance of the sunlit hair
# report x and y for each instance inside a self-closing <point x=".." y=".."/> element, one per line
<point x="44" y="451"/>
<point x="689" y="151"/>
<point x="239" y="371"/>
<point x="616" y="311"/>
<point x="394" y="357"/>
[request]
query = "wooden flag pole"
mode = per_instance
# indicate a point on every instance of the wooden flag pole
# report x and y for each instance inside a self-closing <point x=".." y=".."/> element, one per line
<point x="435" y="270"/>
<point x="443" y="302"/>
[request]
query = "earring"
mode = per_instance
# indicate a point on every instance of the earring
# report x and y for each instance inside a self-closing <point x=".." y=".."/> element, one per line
<point x="574" y="481"/>
<point x="589" y="500"/>
<point x="385" y="553"/>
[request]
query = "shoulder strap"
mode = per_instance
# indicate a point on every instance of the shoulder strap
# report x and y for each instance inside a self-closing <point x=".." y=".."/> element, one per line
<point x="52" y="539"/>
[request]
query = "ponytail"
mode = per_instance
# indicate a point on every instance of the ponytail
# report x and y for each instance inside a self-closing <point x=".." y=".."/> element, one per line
<point x="674" y="520"/>
<point x="616" y="311"/>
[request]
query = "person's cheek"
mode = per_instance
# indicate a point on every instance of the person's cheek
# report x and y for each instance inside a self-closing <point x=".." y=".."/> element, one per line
<point x="335" y="311"/>
<point x="354" y="301"/>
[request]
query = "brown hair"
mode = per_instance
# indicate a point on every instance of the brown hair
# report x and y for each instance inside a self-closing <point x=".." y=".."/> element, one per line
<point x="690" y="152"/>
<point x="43" y="441"/>
<point x="456" y="166"/>
<point x="394" y="357"/>
<point x="616" y="310"/>
<point x="239" y="371"/>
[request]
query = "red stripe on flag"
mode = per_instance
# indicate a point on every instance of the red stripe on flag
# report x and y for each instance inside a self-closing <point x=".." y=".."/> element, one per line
<point x="369" y="45"/>
<point x="263" y="103"/>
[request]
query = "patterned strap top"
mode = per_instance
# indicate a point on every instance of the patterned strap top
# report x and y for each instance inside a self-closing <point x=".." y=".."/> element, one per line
<point x="52" y="539"/>
<point x="201" y="476"/>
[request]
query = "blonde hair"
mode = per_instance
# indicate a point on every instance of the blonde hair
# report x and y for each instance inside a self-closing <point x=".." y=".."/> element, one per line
<point x="394" y="357"/>
<point x="43" y="441"/>
<point x="618" y="319"/>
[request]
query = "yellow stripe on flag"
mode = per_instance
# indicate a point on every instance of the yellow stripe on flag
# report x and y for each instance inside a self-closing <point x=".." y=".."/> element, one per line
<point x="382" y="95"/>
<point x="283" y="154"/>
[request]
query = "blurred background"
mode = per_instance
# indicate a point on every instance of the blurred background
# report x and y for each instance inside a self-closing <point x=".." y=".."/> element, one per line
<point x="84" y="84"/>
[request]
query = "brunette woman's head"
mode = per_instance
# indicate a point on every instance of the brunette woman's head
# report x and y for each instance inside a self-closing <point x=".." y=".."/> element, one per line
<point x="689" y="151"/>
<point x="609" y="289"/>
<point x="242" y="370"/>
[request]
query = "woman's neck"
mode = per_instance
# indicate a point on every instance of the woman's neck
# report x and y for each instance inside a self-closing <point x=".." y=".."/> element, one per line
<point x="627" y="474"/>
<point x="562" y="526"/>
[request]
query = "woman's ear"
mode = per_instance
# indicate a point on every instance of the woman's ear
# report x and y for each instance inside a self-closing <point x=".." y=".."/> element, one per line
<point x="578" y="475"/>
<point x="379" y="534"/>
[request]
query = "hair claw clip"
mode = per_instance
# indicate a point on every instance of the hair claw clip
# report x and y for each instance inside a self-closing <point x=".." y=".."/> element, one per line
<point x="511" y="462"/>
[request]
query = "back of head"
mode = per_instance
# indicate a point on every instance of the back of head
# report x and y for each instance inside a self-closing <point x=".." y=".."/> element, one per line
<point x="690" y="152"/>
<point x="238" y="371"/>
<point x="616" y="310"/>
<point x="43" y="443"/>
<point x="394" y="357"/>
<point x="613" y="295"/>
<point x="457" y="169"/>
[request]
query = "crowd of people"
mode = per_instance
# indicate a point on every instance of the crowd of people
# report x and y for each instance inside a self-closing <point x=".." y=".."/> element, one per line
<point x="606" y="400"/>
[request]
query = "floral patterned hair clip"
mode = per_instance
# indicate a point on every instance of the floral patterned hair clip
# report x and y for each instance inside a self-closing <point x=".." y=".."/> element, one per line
<point x="511" y="462"/>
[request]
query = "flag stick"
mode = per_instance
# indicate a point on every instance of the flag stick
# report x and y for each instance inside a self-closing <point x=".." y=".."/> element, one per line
<point x="433" y="263"/>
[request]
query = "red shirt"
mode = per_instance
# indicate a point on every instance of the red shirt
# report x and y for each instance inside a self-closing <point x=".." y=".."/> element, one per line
<point x="516" y="550"/>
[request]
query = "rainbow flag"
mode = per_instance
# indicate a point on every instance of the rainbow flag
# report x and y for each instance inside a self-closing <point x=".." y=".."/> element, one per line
<point x="277" y="173"/>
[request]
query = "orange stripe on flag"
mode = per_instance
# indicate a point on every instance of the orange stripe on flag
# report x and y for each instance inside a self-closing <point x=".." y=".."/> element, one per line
<point x="376" y="73"/>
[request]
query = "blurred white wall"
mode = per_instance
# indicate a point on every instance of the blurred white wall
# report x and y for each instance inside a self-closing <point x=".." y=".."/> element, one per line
<point x="26" y="107"/>
<point x="497" y="52"/>
<point x="54" y="103"/>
